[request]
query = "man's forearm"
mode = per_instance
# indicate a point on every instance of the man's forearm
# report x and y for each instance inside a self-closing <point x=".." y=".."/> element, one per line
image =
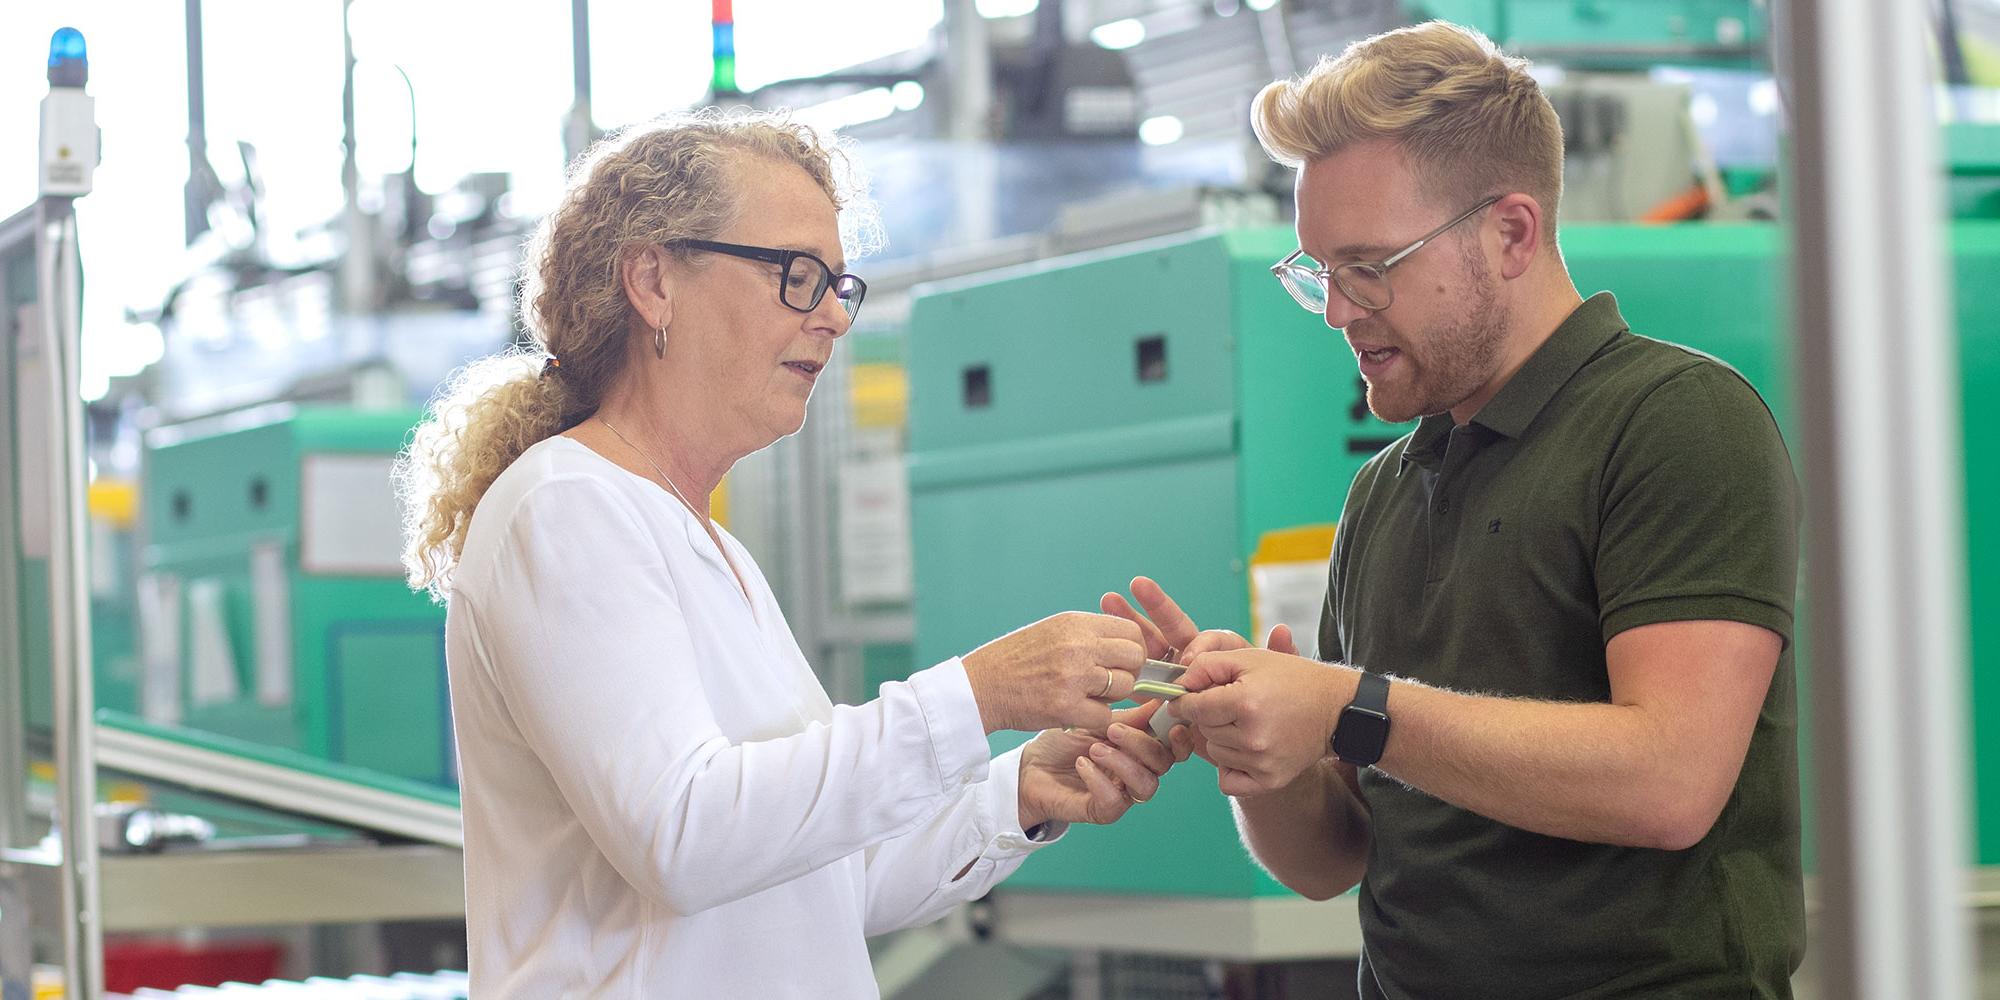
<point x="1311" y="835"/>
<point x="1610" y="774"/>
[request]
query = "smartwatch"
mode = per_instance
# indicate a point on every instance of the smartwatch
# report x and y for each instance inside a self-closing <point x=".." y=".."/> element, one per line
<point x="1363" y="727"/>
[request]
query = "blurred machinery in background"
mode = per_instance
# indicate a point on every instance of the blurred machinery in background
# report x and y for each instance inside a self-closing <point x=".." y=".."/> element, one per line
<point x="271" y="623"/>
<point x="267" y="604"/>
<point x="1168" y="411"/>
<point x="273" y="604"/>
<point x="1604" y="34"/>
<point x="1651" y="96"/>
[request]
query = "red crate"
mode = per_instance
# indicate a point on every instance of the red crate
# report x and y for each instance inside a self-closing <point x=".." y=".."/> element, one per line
<point x="166" y="964"/>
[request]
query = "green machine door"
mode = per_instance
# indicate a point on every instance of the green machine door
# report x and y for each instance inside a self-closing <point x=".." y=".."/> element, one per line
<point x="273" y="545"/>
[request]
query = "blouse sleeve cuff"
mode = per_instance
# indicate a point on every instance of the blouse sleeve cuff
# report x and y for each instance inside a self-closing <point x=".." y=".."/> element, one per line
<point x="957" y="737"/>
<point x="1001" y="805"/>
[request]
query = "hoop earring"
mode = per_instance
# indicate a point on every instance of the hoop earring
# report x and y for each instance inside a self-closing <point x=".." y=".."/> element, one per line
<point x="660" y="343"/>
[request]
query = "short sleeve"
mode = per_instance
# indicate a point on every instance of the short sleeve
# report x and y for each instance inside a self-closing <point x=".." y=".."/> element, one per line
<point x="1699" y="509"/>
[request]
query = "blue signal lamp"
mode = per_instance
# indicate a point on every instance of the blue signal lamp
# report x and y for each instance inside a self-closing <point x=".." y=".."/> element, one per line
<point x="70" y="138"/>
<point x="69" y="64"/>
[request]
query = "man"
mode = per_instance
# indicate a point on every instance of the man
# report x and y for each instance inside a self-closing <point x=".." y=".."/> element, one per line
<point x="1557" y="746"/>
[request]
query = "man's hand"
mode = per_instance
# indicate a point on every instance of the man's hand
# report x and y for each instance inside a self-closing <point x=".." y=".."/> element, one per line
<point x="1166" y="628"/>
<point x="1078" y="776"/>
<point x="1217" y="640"/>
<point x="1262" y="716"/>
<point x="1169" y="634"/>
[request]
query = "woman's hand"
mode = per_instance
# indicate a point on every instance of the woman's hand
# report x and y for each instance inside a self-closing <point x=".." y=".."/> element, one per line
<point x="1065" y="670"/>
<point x="1077" y="776"/>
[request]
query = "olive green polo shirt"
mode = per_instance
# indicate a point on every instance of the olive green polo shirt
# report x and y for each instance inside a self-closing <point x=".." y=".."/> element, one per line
<point x="1614" y="481"/>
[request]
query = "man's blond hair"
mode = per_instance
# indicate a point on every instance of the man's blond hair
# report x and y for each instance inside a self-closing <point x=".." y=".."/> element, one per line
<point x="1469" y="119"/>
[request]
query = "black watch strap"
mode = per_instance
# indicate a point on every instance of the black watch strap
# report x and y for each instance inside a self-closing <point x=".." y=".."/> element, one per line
<point x="1362" y="730"/>
<point x="1372" y="693"/>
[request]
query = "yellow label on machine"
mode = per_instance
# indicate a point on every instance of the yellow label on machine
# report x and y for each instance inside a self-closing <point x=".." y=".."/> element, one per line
<point x="1288" y="583"/>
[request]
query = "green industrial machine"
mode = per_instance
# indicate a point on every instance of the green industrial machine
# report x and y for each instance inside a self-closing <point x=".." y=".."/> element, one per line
<point x="1972" y="187"/>
<point x="112" y="624"/>
<point x="1158" y="409"/>
<point x="274" y="596"/>
<point x="1617" y="34"/>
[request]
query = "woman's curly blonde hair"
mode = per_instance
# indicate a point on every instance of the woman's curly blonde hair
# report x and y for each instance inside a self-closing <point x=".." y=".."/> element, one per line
<point x="651" y="184"/>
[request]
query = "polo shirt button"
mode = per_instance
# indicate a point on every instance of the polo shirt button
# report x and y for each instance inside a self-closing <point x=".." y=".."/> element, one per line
<point x="1444" y="506"/>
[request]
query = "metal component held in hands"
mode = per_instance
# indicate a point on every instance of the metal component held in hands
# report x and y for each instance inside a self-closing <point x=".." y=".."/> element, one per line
<point x="1161" y="670"/>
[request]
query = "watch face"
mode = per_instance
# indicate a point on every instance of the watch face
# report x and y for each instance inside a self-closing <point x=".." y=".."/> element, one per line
<point x="1359" y="737"/>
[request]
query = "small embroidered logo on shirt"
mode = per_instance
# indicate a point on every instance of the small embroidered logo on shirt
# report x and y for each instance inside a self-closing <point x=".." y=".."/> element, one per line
<point x="1493" y="526"/>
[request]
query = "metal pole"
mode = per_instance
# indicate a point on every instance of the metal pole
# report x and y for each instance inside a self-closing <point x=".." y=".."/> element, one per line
<point x="19" y="231"/>
<point x="1879" y="387"/>
<point x="1950" y="48"/>
<point x="804" y="527"/>
<point x="579" y="130"/>
<point x="69" y="605"/>
<point x="969" y="63"/>
<point x="1276" y="35"/>
<point x="579" y="47"/>
<point x="199" y="190"/>
<point x="357" y="262"/>
<point x="16" y="920"/>
<point x="973" y="160"/>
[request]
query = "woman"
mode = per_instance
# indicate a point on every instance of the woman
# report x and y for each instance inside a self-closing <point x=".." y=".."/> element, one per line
<point x="659" y="798"/>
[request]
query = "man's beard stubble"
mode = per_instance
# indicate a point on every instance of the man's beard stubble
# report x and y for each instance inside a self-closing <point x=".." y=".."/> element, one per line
<point x="1457" y="359"/>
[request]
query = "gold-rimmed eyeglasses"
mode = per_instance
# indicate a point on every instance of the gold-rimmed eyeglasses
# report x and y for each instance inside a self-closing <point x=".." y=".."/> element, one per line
<point x="1365" y="283"/>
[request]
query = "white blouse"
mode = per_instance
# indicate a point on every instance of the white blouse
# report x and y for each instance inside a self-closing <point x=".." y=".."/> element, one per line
<point x="659" y="798"/>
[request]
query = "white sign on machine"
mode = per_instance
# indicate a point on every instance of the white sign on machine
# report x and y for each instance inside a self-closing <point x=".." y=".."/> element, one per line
<point x="349" y="524"/>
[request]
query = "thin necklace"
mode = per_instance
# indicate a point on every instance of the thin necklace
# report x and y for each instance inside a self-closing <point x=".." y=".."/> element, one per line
<point x="669" y="480"/>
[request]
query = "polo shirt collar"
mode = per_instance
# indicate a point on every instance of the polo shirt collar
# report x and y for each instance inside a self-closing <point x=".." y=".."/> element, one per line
<point x="1587" y="329"/>
<point x="1426" y="444"/>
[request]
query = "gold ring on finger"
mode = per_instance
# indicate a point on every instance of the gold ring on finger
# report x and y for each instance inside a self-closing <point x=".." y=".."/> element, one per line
<point x="1108" y="679"/>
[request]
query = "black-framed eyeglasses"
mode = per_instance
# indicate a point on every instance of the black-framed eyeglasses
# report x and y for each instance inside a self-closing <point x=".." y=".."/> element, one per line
<point x="804" y="278"/>
<point x="1365" y="283"/>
